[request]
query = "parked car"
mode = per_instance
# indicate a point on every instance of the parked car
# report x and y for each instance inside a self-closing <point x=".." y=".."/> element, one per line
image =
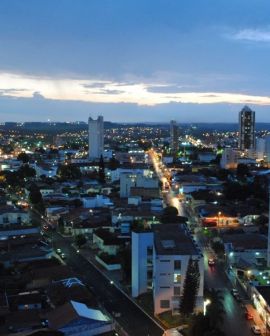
<point x="58" y="251"/>
<point x="235" y="294"/>
<point x="256" y="330"/>
<point x="63" y="256"/>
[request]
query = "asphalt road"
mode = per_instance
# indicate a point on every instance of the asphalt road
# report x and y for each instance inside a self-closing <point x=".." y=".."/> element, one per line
<point x="134" y="321"/>
<point x="215" y="277"/>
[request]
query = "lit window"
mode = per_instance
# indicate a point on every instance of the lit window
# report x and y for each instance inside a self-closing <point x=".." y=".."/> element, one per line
<point x="177" y="278"/>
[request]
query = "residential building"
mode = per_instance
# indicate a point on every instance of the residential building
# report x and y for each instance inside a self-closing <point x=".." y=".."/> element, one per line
<point x="127" y="181"/>
<point x="96" y="137"/>
<point x="142" y="261"/>
<point x="246" y="129"/>
<point x="75" y="318"/>
<point x="173" y="248"/>
<point x="229" y="158"/>
<point x="260" y="148"/>
<point x="160" y="258"/>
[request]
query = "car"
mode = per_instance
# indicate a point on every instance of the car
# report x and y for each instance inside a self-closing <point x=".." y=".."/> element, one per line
<point x="63" y="256"/>
<point x="58" y="251"/>
<point x="256" y="330"/>
<point x="248" y="316"/>
<point x="211" y="262"/>
<point x="234" y="292"/>
<point x="236" y="295"/>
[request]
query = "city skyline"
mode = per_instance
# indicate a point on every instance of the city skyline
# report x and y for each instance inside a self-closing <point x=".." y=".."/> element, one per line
<point x="133" y="61"/>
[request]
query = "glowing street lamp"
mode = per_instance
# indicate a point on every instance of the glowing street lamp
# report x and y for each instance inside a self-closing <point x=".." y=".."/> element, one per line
<point x="205" y="304"/>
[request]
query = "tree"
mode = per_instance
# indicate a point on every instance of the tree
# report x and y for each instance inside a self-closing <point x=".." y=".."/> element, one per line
<point x="199" y="325"/>
<point x="169" y="215"/>
<point x="26" y="171"/>
<point x="215" y="311"/>
<point x="69" y="171"/>
<point x="23" y="157"/>
<point x="125" y="257"/>
<point x="80" y="240"/>
<point x="191" y="287"/>
<point x="113" y="164"/>
<point x="101" y="170"/>
<point x="262" y="220"/>
<point x="35" y="196"/>
<point x="242" y="170"/>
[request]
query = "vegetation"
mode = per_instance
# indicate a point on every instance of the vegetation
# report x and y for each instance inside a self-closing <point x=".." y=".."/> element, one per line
<point x="211" y="323"/>
<point x="101" y="171"/>
<point x="69" y="172"/>
<point x="80" y="240"/>
<point x="23" y="157"/>
<point x="125" y="259"/>
<point x="113" y="164"/>
<point x="191" y="287"/>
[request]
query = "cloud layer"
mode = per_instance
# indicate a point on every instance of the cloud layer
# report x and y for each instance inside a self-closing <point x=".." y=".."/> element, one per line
<point x="253" y="35"/>
<point x="108" y="91"/>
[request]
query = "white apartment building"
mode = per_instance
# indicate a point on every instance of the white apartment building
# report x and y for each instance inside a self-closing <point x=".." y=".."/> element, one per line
<point x="142" y="262"/>
<point x="127" y="181"/>
<point x="171" y="247"/>
<point x="96" y="137"/>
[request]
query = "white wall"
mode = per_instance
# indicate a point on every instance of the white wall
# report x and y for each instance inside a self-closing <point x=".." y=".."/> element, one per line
<point x="140" y="243"/>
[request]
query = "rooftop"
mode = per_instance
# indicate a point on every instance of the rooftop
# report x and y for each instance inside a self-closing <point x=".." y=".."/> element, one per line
<point x="173" y="239"/>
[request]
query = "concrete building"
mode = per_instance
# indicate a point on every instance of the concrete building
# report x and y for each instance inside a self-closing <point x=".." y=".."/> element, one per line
<point x="127" y="181"/>
<point x="142" y="262"/>
<point x="173" y="248"/>
<point x="229" y="159"/>
<point x="174" y="136"/>
<point x="96" y="137"/>
<point x="163" y="253"/>
<point x="246" y="129"/>
<point x="267" y="150"/>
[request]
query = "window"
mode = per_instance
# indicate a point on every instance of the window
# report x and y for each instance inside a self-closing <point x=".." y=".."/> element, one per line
<point x="177" y="264"/>
<point x="149" y="251"/>
<point x="165" y="287"/>
<point x="177" y="278"/>
<point x="176" y="291"/>
<point x="164" y="303"/>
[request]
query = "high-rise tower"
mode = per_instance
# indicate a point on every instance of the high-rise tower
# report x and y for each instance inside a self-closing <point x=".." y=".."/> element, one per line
<point x="96" y="137"/>
<point x="246" y="129"/>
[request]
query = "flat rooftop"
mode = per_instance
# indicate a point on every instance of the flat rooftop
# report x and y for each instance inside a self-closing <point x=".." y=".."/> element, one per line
<point x="173" y="239"/>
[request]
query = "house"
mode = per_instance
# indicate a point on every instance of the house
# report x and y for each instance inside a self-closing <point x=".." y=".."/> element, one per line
<point x="76" y="319"/>
<point x="107" y="241"/>
<point x="127" y="181"/>
<point x="250" y="248"/>
<point x="10" y="215"/>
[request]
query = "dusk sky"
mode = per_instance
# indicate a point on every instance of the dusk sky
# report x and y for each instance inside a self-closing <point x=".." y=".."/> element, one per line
<point x="134" y="60"/>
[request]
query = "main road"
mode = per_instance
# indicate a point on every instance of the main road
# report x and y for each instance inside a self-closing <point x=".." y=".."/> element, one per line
<point x="133" y="320"/>
<point x="214" y="277"/>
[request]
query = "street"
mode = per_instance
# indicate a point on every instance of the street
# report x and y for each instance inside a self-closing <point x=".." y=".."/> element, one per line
<point x="134" y="321"/>
<point x="215" y="277"/>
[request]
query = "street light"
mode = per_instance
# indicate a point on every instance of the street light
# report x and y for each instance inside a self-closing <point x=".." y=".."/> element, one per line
<point x="205" y="304"/>
<point x="219" y="213"/>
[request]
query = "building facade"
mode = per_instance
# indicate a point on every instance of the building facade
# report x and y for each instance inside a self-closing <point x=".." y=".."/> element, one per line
<point x="246" y="129"/>
<point x="160" y="260"/>
<point x="96" y="137"/>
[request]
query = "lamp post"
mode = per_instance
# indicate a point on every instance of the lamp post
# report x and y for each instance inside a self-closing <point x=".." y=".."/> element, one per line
<point x="205" y="304"/>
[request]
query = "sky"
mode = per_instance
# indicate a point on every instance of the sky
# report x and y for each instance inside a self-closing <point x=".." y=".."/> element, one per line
<point x="134" y="60"/>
